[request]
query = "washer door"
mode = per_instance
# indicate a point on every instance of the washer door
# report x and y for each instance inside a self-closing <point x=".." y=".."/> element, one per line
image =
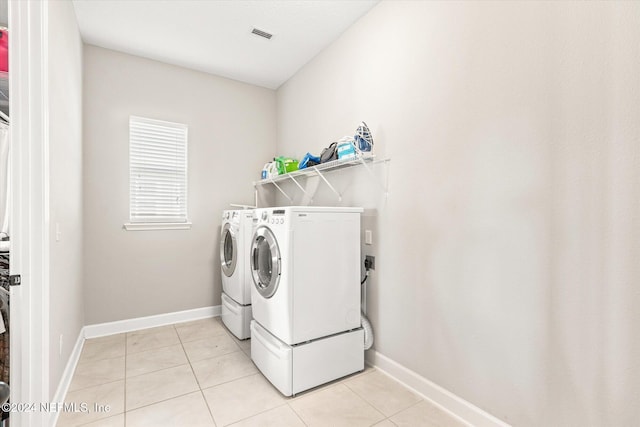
<point x="228" y="250"/>
<point x="265" y="262"/>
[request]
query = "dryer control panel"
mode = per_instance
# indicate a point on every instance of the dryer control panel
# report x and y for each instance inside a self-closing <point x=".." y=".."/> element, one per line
<point x="271" y="216"/>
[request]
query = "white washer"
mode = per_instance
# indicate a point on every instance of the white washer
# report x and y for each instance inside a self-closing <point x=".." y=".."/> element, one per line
<point x="235" y="241"/>
<point x="305" y="264"/>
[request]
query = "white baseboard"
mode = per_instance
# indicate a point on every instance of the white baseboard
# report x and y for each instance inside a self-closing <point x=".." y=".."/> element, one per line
<point x="128" y="325"/>
<point x="449" y="402"/>
<point x="67" y="375"/>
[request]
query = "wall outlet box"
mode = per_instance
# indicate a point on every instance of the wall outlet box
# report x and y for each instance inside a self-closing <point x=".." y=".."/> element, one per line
<point x="369" y="262"/>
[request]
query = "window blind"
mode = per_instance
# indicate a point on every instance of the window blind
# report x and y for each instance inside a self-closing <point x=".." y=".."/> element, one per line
<point x="157" y="171"/>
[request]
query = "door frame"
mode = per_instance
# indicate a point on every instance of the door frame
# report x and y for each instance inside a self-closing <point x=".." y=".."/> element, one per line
<point x="29" y="226"/>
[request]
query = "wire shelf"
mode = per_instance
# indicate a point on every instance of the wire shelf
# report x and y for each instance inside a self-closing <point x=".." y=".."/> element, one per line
<point x="320" y="170"/>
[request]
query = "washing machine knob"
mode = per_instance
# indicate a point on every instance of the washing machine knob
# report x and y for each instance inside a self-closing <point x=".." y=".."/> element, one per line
<point x="264" y="215"/>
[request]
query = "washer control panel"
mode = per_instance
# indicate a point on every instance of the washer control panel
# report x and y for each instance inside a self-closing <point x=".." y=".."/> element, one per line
<point x="231" y="216"/>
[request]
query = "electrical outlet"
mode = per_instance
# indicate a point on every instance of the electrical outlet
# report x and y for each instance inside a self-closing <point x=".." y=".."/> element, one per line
<point x="369" y="262"/>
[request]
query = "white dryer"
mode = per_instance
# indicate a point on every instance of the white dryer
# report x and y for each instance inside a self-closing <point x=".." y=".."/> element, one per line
<point x="235" y="241"/>
<point x="305" y="265"/>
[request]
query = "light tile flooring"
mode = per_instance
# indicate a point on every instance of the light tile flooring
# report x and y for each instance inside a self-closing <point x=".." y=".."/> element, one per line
<point x="197" y="374"/>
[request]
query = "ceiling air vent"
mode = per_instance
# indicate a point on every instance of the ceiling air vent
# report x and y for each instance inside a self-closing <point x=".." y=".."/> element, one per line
<point x="261" y="33"/>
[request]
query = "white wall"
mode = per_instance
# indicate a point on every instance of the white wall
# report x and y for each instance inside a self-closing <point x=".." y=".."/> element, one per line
<point x="130" y="274"/>
<point x="66" y="312"/>
<point x="507" y="249"/>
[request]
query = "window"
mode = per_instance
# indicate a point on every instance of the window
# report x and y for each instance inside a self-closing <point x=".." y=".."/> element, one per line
<point x="157" y="174"/>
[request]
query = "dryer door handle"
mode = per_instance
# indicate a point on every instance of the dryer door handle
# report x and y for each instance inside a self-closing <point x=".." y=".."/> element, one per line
<point x="254" y="260"/>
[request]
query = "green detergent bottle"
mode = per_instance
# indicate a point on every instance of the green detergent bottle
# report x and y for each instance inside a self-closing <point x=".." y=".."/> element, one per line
<point x="286" y="164"/>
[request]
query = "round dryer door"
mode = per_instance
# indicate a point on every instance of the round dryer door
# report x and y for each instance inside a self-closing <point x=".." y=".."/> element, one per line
<point x="228" y="250"/>
<point x="265" y="262"/>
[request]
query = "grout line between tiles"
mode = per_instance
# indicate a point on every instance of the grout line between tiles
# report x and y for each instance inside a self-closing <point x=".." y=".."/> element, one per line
<point x="209" y="358"/>
<point x="94" y="385"/>
<point x="213" y="357"/>
<point x="371" y="403"/>
<point x="169" y="398"/>
<point x="233" y="380"/>
<point x="163" y="400"/>
<point x="193" y="372"/>
<point x="106" y="414"/>
<point x="154" y="348"/>
<point x="206" y="402"/>
<point x="84" y="362"/>
<point x="230" y="381"/>
<point x="202" y="339"/>
<point x="340" y="383"/>
<point x="406" y="409"/>
<point x="258" y="413"/>
<point x="297" y="414"/>
<point x="128" y="353"/>
<point x="198" y="338"/>
<point x="157" y="370"/>
<point x="206" y="337"/>
<point x="220" y="355"/>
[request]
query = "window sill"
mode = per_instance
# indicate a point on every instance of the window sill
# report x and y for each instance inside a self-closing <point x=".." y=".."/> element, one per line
<point x="143" y="226"/>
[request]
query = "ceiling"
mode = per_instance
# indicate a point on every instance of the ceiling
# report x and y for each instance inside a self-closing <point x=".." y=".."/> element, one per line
<point x="214" y="36"/>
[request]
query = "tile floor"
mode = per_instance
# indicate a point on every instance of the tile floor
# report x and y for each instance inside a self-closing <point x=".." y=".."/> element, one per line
<point x="197" y="374"/>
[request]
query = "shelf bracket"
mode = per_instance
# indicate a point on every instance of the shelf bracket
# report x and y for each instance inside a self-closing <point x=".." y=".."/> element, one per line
<point x="373" y="176"/>
<point x="298" y="184"/>
<point x="328" y="184"/>
<point x="282" y="191"/>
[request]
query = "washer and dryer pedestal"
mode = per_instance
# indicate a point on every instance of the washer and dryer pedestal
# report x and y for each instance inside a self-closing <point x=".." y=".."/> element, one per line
<point x="236" y="317"/>
<point x="293" y="369"/>
<point x="305" y="265"/>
